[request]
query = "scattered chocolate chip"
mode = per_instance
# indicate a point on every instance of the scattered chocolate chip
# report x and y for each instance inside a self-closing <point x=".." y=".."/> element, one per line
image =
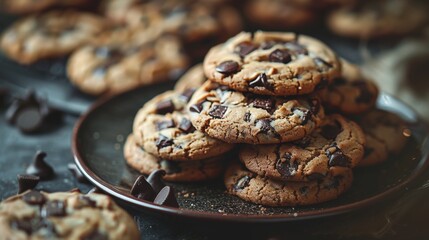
<point x="315" y="176"/>
<point x="331" y="131"/>
<point x="29" y="120"/>
<point x="264" y="103"/>
<point x="30" y="225"/>
<point x="186" y="126"/>
<point x="27" y="182"/>
<point x="265" y="126"/>
<point x="280" y="55"/>
<point x="164" y="107"/>
<point x="322" y="64"/>
<point x="187" y="94"/>
<point x="163" y="142"/>
<point x="170" y="167"/>
<point x="166" y="197"/>
<point x="247" y="117"/>
<point x="242" y="183"/>
<point x="337" y="158"/>
<point x="244" y="48"/>
<point x="285" y="167"/>
<point x="304" y="114"/>
<point x="165" y="124"/>
<point x="34" y="198"/>
<point x="77" y="173"/>
<point x="198" y="107"/>
<point x="95" y="235"/>
<point x="54" y="208"/>
<point x="40" y="168"/>
<point x="228" y="67"/>
<point x="217" y="111"/>
<point x="261" y="81"/>
<point x="142" y="189"/>
<point x="155" y="180"/>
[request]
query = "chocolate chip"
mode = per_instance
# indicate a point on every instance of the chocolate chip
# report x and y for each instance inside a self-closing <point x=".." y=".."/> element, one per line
<point x="303" y="142"/>
<point x="270" y="44"/>
<point x="87" y="202"/>
<point x="198" y="107"/>
<point x="30" y="225"/>
<point x="242" y="183"/>
<point x="142" y="189"/>
<point x="170" y="167"/>
<point x="285" y="167"/>
<point x="296" y="48"/>
<point x="40" y="168"/>
<point x="77" y="173"/>
<point x="187" y="94"/>
<point x="27" y="182"/>
<point x="186" y="126"/>
<point x="322" y="64"/>
<point x="265" y="126"/>
<point x="217" y="111"/>
<point x="247" y="117"/>
<point x="155" y="180"/>
<point x="244" y="48"/>
<point x="34" y="198"/>
<point x="164" y="107"/>
<point x="304" y="114"/>
<point x="334" y="182"/>
<point x="29" y="120"/>
<point x="228" y="67"/>
<point x="54" y="208"/>
<point x="280" y="55"/>
<point x="315" y="106"/>
<point x="166" y="197"/>
<point x="165" y="124"/>
<point x="264" y="103"/>
<point x="163" y="142"/>
<point x="365" y="96"/>
<point x="331" y="131"/>
<point x="95" y="235"/>
<point x="315" y="176"/>
<point x="261" y="81"/>
<point x="337" y="158"/>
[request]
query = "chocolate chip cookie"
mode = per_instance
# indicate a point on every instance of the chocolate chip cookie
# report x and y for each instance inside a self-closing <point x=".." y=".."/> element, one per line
<point x="238" y="117"/>
<point x="52" y="34"/>
<point x="385" y="134"/>
<point x="163" y="129"/>
<point x="188" y="171"/>
<point x="371" y="19"/>
<point x="192" y="79"/>
<point x="64" y="215"/>
<point x="352" y="93"/>
<point x="256" y="189"/>
<point x="272" y="63"/>
<point x="33" y="6"/>
<point x="111" y="68"/>
<point x="333" y="148"/>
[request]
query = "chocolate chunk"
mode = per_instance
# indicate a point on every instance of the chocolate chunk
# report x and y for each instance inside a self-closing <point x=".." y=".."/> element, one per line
<point x="228" y="67"/>
<point x="29" y="120"/>
<point x="155" y="180"/>
<point x="337" y="158"/>
<point x="95" y="235"/>
<point x="163" y="142"/>
<point x="247" y="117"/>
<point x="170" y="167"/>
<point x="339" y="81"/>
<point x="304" y="114"/>
<point x="77" y="173"/>
<point x="164" y="107"/>
<point x="217" y="111"/>
<point x="303" y="142"/>
<point x="30" y="225"/>
<point x="187" y="94"/>
<point x="242" y="183"/>
<point x="296" y="48"/>
<point x="270" y="44"/>
<point x="265" y="126"/>
<point x="165" y="124"/>
<point x="264" y="103"/>
<point x="365" y="96"/>
<point x="285" y="167"/>
<point x="334" y="182"/>
<point x="40" y="168"/>
<point x="331" y="131"/>
<point x="261" y="81"/>
<point x="166" y="197"/>
<point x="27" y="182"/>
<point x="315" y="176"/>
<point x="280" y="55"/>
<point x="322" y="64"/>
<point x="54" y="208"/>
<point x="198" y="107"/>
<point x="315" y="105"/>
<point x="244" y="48"/>
<point x="87" y="202"/>
<point x="186" y="126"/>
<point x="142" y="189"/>
<point x="34" y="198"/>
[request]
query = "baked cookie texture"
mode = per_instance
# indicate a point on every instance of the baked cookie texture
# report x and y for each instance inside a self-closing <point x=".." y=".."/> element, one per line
<point x="374" y="19"/>
<point x="272" y="63"/>
<point x="192" y="79"/>
<point x="49" y="35"/>
<point x="176" y="171"/>
<point x="238" y="117"/>
<point x="351" y="93"/>
<point x="336" y="146"/>
<point x="253" y="188"/>
<point x="64" y="215"/>
<point x="165" y="130"/>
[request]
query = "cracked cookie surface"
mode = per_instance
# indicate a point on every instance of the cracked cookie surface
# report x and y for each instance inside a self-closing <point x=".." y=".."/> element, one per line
<point x="64" y="215"/>
<point x="336" y="146"/>
<point x="272" y="63"/>
<point x="164" y="129"/>
<point x="256" y="189"/>
<point x="185" y="171"/>
<point x="238" y="117"/>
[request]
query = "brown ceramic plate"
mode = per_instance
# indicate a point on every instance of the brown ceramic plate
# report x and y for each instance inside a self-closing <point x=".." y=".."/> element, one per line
<point x="99" y="137"/>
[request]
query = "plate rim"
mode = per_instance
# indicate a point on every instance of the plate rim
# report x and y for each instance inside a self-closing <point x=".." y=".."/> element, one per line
<point x="232" y="217"/>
